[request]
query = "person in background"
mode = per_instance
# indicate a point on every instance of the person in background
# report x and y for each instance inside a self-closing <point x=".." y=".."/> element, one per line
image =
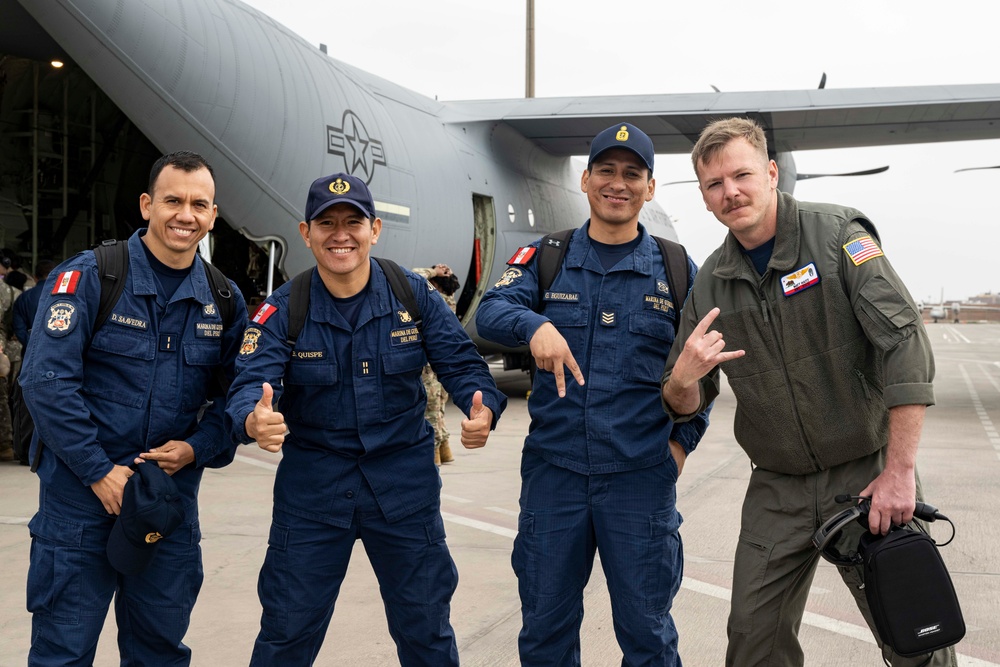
<point x="444" y="281"/>
<point x="27" y="305"/>
<point x="10" y="350"/>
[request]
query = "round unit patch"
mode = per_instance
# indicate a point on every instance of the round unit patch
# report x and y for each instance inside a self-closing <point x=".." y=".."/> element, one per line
<point x="61" y="320"/>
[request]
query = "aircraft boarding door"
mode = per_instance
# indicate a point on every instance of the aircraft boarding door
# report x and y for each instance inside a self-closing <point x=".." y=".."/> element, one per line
<point x="481" y="265"/>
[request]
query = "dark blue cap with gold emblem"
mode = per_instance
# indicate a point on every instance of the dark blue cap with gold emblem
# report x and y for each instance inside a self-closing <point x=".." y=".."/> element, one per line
<point x="623" y="135"/>
<point x="336" y="189"/>
<point x="152" y="508"/>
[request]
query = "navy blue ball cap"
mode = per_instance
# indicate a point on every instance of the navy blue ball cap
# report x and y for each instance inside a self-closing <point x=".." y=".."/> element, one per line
<point x="336" y="189"/>
<point x="152" y="508"/>
<point x="623" y="135"/>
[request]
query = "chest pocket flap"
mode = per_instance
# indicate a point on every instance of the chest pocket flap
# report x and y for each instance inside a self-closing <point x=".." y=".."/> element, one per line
<point x="394" y="363"/>
<point x="312" y="372"/>
<point x="202" y="354"/>
<point x="566" y="314"/>
<point x="118" y="340"/>
<point x="652" y="324"/>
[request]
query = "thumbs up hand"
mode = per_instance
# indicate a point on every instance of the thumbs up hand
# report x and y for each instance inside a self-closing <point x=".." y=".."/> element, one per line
<point x="476" y="429"/>
<point x="265" y="425"/>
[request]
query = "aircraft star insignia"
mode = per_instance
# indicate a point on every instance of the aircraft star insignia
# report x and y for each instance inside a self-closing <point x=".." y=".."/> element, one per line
<point x="360" y="151"/>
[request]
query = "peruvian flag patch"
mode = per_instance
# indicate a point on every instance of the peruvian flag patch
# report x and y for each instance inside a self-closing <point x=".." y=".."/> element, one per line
<point x="264" y="312"/>
<point x="66" y="282"/>
<point x="522" y="256"/>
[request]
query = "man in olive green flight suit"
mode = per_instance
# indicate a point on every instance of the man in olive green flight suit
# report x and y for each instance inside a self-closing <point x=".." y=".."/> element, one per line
<point x="831" y="367"/>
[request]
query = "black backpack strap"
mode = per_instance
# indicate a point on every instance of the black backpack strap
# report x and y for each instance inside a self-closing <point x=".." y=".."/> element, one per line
<point x="298" y="305"/>
<point x="676" y="261"/>
<point x="401" y="288"/>
<point x="112" y="267"/>
<point x="551" y="251"/>
<point x="222" y="292"/>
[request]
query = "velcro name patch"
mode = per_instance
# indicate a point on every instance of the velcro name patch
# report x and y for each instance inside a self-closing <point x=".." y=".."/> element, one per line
<point x="801" y="279"/>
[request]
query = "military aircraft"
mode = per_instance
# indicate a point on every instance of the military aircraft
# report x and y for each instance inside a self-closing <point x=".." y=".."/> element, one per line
<point x="465" y="183"/>
<point x="939" y="310"/>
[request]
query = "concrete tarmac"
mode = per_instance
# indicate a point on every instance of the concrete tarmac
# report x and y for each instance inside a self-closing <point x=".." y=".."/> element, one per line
<point x="959" y="464"/>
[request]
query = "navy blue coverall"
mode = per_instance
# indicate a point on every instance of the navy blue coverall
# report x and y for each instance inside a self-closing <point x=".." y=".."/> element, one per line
<point x="597" y="473"/>
<point x="358" y="463"/>
<point x="98" y="400"/>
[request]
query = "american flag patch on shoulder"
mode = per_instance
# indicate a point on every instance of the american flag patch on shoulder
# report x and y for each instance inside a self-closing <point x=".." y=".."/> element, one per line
<point x="66" y="282"/>
<point x="861" y="249"/>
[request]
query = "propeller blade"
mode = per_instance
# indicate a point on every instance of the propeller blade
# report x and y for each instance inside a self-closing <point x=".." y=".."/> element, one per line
<point x="679" y="182"/>
<point x="997" y="166"/>
<point x="866" y="172"/>
<point x="822" y="82"/>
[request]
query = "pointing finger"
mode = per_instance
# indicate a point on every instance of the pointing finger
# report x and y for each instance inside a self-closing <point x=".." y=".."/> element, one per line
<point x="574" y="368"/>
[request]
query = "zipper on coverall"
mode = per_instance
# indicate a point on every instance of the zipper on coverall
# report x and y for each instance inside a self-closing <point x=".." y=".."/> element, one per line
<point x="764" y="307"/>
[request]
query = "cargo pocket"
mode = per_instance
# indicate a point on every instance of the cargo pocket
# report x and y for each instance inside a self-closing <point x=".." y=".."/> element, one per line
<point x="890" y="315"/>
<point x="441" y="573"/>
<point x="522" y="561"/>
<point x="666" y="561"/>
<point x="55" y="570"/>
<point x="273" y="583"/>
<point x="752" y="555"/>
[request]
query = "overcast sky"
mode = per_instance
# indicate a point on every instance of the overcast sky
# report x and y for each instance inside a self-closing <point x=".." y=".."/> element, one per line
<point x="938" y="228"/>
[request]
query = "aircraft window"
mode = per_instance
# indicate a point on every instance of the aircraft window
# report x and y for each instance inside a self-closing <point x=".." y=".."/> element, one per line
<point x="510" y="213"/>
<point x="531" y="217"/>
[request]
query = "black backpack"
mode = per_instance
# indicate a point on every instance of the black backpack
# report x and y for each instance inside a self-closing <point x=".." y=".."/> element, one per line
<point x="298" y="300"/>
<point x="112" y="267"/>
<point x="553" y="248"/>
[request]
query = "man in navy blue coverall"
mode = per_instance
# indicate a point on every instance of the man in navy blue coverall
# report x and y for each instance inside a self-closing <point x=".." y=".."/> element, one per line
<point x="600" y="463"/>
<point x="103" y="401"/>
<point x="358" y="457"/>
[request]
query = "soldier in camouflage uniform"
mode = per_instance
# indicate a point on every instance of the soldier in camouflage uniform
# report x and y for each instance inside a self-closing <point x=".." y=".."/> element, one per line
<point x="10" y="350"/>
<point x="442" y="279"/>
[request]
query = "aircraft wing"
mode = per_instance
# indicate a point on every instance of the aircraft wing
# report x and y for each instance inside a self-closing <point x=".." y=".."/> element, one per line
<point x="797" y="120"/>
